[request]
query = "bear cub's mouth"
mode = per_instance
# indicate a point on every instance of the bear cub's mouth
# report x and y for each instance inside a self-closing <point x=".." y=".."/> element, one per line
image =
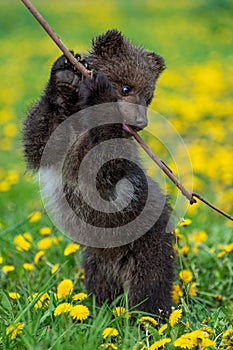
<point x="134" y="127"/>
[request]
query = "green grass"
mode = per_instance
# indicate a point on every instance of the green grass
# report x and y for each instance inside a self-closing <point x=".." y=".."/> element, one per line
<point x="195" y="94"/>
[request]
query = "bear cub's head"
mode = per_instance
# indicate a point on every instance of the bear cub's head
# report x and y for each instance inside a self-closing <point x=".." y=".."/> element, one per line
<point x="132" y="70"/>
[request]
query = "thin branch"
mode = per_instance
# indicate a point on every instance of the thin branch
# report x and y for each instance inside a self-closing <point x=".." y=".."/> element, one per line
<point x="220" y="211"/>
<point x="56" y="39"/>
<point x="189" y="195"/>
<point x="160" y="163"/>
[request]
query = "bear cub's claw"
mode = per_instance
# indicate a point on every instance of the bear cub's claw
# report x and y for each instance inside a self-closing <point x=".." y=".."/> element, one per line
<point x="63" y="63"/>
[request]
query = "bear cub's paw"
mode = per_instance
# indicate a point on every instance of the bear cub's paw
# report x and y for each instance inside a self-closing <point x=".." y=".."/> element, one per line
<point x="63" y="72"/>
<point x="64" y="84"/>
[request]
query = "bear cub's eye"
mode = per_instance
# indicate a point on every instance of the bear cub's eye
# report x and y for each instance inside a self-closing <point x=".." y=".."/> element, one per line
<point x="126" y="90"/>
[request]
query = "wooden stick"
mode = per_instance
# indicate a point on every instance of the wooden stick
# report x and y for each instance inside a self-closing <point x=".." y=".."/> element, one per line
<point x="220" y="211"/>
<point x="161" y="164"/>
<point x="56" y="39"/>
<point x="189" y="195"/>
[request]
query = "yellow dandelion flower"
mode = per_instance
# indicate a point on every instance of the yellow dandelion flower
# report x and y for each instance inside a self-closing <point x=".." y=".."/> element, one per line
<point x="55" y="240"/>
<point x="159" y="343"/>
<point x="8" y="268"/>
<point x="227" y="337"/>
<point x="162" y="329"/>
<point x="79" y="296"/>
<point x="44" y="243"/>
<point x="65" y="288"/>
<point x="6" y="144"/>
<point x="34" y="295"/>
<point x="120" y="310"/>
<point x="6" y="113"/>
<point x="45" y="231"/>
<point x="193" y="289"/>
<point x="186" y="276"/>
<point x="207" y="330"/>
<point x="195" y="249"/>
<point x="148" y="320"/>
<point x="1" y="259"/>
<point x="54" y="268"/>
<point x="175" y="317"/>
<point x="185" y="222"/>
<point x="190" y="340"/>
<point x="14" y="295"/>
<point x="28" y="266"/>
<point x="35" y="216"/>
<point x="176" y="293"/>
<point x="15" y="329"/>
<point x="198" y="334"/>
<point x="206" y="342"/>
<point x="71" y="248"/>
<point x="10" y="130"/>
<point x="79" y="312"/>
<point x="199" y="237"/>
<point x="229" y="248"/>
<point x="221" y="255"/>
<point x="43" y="300"/>
<point x="4" y="186"/>
<point x="21" y="243"/>
<point x="218" y="297"/>
<point x="177" y="233"/>
<point x="110" y="332"/>
<point x="12" y="177"/>
<point x="137" y="346"/>
<point x="28" y="236"/>
<point x="184" y="250"/>
<point x="110" y="346"/>
<point x="185" y="342"/>
<point x="62" y="308"/>
<point x="38" y="256"/>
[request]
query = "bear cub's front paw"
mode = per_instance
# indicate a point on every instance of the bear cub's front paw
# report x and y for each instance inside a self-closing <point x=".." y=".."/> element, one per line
<point x="95" y="91"/>
<point x="64" y="84"/>
<point x="63" y="72"/>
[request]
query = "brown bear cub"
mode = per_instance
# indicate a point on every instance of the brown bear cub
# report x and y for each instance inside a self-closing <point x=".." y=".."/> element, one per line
<point x="122" y="72"/>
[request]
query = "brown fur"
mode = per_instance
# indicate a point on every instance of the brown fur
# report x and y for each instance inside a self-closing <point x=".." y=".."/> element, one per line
<point x="144" y="268"/>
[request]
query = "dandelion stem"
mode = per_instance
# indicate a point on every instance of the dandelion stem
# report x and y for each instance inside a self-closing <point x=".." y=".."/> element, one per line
<point x="147" y="338"/>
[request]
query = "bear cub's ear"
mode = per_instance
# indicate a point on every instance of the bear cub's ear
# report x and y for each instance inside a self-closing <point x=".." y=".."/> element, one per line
<point x="108" y="44"/>
<point x="156" y="62"/>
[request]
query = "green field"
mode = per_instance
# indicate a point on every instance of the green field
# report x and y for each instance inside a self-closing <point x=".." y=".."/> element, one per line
<point x="39" y="269"/>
